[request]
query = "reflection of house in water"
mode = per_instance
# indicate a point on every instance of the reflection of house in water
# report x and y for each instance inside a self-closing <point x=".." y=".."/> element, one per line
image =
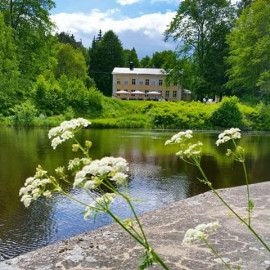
<point x="145" y="84"/>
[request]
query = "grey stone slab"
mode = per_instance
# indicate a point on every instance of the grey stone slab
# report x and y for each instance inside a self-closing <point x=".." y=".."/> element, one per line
<point x="111" y="248"/>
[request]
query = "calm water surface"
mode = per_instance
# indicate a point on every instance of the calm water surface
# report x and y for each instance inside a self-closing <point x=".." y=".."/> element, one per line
<point x="158" y="177"/>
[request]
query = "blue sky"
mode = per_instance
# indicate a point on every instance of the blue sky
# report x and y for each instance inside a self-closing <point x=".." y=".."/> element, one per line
<point x="138" y="23"/>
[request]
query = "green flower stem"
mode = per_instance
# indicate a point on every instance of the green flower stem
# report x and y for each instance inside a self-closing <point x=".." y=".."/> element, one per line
<point x="82" y="149"/>
<point x="159" y="260"/>
<point x="229" y="207"/>
<point x="248" y="193"/>
<point x="113" y="189"/>
<point x="216" y="253"/>
<point x="136" y="217"/>
<point x="126" y="229"/>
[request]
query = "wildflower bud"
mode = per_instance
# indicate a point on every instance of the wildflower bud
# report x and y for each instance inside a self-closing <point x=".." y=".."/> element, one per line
<point x="88" y="144"/>
<point x="75" y="147"/>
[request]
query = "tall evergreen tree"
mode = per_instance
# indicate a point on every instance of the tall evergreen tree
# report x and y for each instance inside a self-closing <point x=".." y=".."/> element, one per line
<point x="131" y="56"/>
<point x="107" y="54"/>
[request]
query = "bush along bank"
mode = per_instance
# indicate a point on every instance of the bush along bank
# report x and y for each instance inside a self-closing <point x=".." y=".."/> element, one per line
<point x="114" y="113"/>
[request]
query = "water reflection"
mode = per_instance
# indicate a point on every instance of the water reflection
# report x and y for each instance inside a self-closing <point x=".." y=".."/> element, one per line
<point x="157" y="176"/>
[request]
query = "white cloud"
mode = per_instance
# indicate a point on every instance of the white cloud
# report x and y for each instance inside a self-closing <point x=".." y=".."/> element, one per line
<point x="166" y="1"/>
<point x="148" y="27"/>
<point x="127" y="2"/>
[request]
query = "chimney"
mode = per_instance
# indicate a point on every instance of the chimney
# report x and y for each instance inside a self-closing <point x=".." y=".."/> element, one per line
<point x="131" y="65"/>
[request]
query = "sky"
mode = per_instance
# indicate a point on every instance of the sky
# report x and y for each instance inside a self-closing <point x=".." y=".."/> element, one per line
<point x="137" y="23"/>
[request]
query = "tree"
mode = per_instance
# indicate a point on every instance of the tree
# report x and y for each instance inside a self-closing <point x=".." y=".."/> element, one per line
<point x="9" y="75"/>
<point x="160" y="58"/>
<point x="131" y="56"/>
<point x="70" y="62"/>
<point x="202" y="25"/>
<point x="32" y="26"/>
<point x="107" y="54"/>
<point x="145" y="61"/>
<point x="241" y="5"/>
<point x="249" y="51"/>
<point x="69" y="39"/>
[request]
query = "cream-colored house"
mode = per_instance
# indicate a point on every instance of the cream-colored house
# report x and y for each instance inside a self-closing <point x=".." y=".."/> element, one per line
<point x="144" y="84"/>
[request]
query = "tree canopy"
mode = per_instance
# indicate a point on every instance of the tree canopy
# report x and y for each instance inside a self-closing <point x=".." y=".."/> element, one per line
<point x="249" y="45"/>
<point x="201" y="27"/>
<point x="104" y="57"/>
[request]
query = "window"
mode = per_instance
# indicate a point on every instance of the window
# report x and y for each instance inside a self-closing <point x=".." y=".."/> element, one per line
<point x="153" y="82"/>
<point x="133" y="90"/>
<point x="118" y="81"/>
<point x="167" y="93"/>
<point x="174" y="94"/>
<point x="146" y="91"/>
<point x="160" y="82"/>
<point x="133" y="81"/>
<point x="146" y="81"/>
<point x="118" y="90"/>
<point x="126" y="80"/>
<point x="141" y="82"/>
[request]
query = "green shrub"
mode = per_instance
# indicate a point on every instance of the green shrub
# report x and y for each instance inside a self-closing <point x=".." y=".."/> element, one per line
<point x="227" y="114"/>
<point x="24" y="114"/>
<point x="264" y="117"/>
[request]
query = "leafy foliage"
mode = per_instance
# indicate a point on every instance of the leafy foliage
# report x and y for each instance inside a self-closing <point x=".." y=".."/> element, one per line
<point x="106" y="54"/>
<point x="202" y="26"/>
<point x="24" y="114"/>
<point x="249" y="57"/>
<point x="227" y="114"/>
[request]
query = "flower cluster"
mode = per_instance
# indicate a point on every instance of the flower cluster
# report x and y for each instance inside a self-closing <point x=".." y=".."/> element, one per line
<point x="194" y="150"/>
<point x="100" y="204"/>
<point x="229" y="134"/>
<point x="66" y="130"/>
<point x="180" y="137"/>
<point x="34" y="187"/>
<point x="200" y="232"/>
<point x="76" y="163"/>
<point x="91" y="175"/>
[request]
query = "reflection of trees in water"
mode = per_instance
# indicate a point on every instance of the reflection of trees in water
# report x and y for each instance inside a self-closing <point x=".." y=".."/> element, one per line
<point x="153" y="165"/>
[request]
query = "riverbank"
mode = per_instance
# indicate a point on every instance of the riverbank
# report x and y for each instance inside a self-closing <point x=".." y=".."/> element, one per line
<point x="148" y="114"/>
<point x="111" y="248"/>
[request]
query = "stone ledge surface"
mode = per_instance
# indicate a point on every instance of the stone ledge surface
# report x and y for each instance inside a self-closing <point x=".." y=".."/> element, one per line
<point x="111" y="248"/>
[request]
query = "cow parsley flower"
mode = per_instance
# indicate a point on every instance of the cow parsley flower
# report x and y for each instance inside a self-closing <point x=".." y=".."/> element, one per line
<point x="100" y="204"/>
<point x="180" y="137"/>
<point x="66" y="130"/>
<point x="229" y="134"/>
<point x="34" y="187"/>
<point x="201" y="232"/>
<point x="107" y="167"/>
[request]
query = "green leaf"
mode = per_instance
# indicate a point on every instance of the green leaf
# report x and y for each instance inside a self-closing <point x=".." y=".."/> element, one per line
<point x="146" y="261"/>
<point x="250" y="205"/>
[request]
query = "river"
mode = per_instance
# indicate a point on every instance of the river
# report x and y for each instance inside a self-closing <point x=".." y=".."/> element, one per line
<point x="157" y="177"/>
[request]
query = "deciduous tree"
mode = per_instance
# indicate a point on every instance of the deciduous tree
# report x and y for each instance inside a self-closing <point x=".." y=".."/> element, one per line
<point x="201" y="27"/>
<point x="249" y="45"/>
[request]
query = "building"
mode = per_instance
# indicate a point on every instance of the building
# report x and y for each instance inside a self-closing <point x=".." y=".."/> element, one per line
<point x="145" y="84"/>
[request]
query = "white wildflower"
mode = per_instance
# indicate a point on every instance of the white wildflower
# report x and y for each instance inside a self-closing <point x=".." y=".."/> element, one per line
<point x="229" y="134"/>
<point x="26" y="199"/>
<point x="200" y="232"/>
<point x="66" y="130"/>
<point x="73" y="163"/>
<point x="55" y="142"/>
<point x="120" y="178"/>
<point x="180" y="137"/>
<point x="91" y="184"/>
